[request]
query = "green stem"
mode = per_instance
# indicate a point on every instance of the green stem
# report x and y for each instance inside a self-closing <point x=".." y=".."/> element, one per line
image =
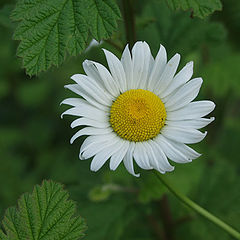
<point x="234" y="233"/>
<point x="129" y="21"/>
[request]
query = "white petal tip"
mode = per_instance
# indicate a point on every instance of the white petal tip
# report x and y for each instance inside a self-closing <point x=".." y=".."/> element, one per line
<point x="75" y="77"/>
<point x="170" y="169"/>
<point x="177" y="55"/>
<point x="86" y="62"/>
<point x="214" y="105"/>
<point x="62" y="102"/>
<point x="105" y="50"/>
<point x="212" y="119"/>
<point x="113" y="167"/>
<point x="199" y="155"/>
<point x="81" y="157"/>
<point x="200" y="80"/>
<point x="93" y="168"/>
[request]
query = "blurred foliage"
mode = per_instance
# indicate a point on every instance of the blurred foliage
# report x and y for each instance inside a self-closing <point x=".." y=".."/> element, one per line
<point x="199" y="8"/>
<point x="34" y="141"/>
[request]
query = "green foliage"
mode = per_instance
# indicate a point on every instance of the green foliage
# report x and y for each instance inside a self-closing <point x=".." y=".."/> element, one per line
<point x="177" y="31"/>
<point x="49" y="29"/>
<point x="4" y="16"/>
<point x="102" y="18"/>
<point x="217" y="193"/>
<point x="47" y="213"/>
<point x="200" y="8"/>
<point x="223" y="75"/>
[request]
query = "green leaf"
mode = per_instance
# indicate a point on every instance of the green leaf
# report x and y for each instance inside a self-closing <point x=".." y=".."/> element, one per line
<point x="103" y="15"/>
<point x="49" y="29"/>
<point x="47" y="213"/>
<point x="200" y="8"/>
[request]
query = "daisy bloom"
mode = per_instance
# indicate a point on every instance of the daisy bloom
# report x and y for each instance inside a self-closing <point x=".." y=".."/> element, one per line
<point x="138" y="109"/>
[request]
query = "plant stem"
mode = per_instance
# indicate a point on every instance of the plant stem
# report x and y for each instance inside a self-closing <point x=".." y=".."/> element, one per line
<point x="234" y="233"/>
<point x="129" y="21"/>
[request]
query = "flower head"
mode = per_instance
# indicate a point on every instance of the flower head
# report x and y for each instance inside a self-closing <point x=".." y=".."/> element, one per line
<point x="139" y="110"/>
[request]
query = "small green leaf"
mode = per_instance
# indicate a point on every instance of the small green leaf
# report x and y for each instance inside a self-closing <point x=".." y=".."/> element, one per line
<point x="103" y="16"/>
<point x="45" y="214"/>
<point x="200" y="8"/>
<point x="49" y="29"/>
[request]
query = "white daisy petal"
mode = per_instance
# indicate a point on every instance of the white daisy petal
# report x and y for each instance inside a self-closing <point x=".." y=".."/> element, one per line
<point x="183" y="135"/>
<point x="192" y="123"/>
<point x="157" y="69"/>
<point x="184" y="95"/>
<point x="182" y="77"/>
<point x="101" y="157"/>
<point x="154" y="160"/>
<point x="192" y="110"/>
<point x="141" y="58"/>
<point x="93" y="89"/>
<point x="89" y="122"/>
<point x="167" y="75"/>
<point x="116" y="69"/>
<point x="111" y="85"/>
<point x="184" y="149"/>
<point x="171" y="152"/>
<point x="118" y="156"/>
<point x="74" y="102"/>
<point x="128" y="67"/>
<point x="128" y="160"/>
<point x="96" y="148"/>
<point x="141" y="157"/>
<point x="93" y="144"/>
<point x="87" y="111"/>
<point x="91" y="70"/>
<point x="90" y="131"/>
<point x="161" y="156"/>
<point x="148" y="59"/>
<point x="151" y="64"/>
<point x="76" y="89"/>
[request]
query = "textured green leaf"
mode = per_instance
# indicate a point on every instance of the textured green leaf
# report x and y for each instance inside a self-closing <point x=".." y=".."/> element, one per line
<point x="49" y="29"/>
<point x="47" y="213"/>
<point x="102" y="18"/>
<point x="200" y="8"/>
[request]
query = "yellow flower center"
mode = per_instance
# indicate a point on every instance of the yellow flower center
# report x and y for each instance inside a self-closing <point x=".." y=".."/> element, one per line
<point x="137" y="115"/>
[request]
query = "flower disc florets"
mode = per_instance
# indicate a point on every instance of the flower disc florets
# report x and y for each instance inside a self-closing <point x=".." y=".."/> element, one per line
<point x="137" y="115"/>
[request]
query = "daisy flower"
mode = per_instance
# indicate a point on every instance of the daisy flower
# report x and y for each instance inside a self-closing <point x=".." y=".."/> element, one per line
<point x="139" y="109"/>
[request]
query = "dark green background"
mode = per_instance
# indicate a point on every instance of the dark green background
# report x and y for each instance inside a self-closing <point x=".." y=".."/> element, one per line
<point x="34" y="141"/>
